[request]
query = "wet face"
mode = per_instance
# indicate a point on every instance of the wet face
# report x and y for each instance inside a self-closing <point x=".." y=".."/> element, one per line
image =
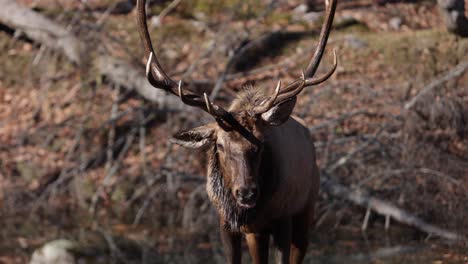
<point x="240" y="162"/>
<point x="238" y="148"/>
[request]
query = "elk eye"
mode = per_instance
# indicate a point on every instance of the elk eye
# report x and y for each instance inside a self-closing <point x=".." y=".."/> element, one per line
<point x="220" y="147"/>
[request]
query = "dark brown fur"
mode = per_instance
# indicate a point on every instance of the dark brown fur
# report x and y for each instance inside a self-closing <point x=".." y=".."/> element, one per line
<point x="288" y="229"/>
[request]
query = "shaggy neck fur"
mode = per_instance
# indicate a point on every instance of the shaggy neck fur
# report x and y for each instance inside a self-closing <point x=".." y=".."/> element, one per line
<point x="223" y="199"/>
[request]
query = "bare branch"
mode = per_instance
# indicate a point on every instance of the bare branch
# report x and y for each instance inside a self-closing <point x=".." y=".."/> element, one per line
<point x="361" y="198"/>
<point x="452" y="74"/>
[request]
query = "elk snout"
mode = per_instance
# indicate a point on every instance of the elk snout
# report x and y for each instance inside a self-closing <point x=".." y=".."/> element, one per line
<point x="246" y="196"/>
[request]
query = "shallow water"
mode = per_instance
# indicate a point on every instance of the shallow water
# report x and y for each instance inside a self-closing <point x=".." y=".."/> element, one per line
<point x="399" y="244"/>
<point x="345" y="245"/>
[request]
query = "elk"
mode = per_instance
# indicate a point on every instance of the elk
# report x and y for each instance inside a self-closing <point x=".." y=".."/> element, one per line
<point x="262" y="175"/>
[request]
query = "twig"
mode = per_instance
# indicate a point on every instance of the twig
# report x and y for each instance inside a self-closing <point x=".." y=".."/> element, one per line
<point x="169" y="183"/>
<point x="387" y="174"/>
<point x="112" y="170"/>
<point x="111" y="136"/>
<point x="344" y="159"/>
<point x="110" y="166"/>
<point x="114" y="249"/>
<point x="451" y="74"/>
<point x="327" y="151"/>
<point x="206" y="53"/>
<point x="366" y="219"/>
<point x="146" y="203"/>
<point x="339" y="119"/>
<point x="156" y="21"/>
<point x="106" y="14"/>
<point x="142" y="143"/>
<point x="222" y="77"/>
<point x="65" y="172"/>
<point x="387" y="222"/>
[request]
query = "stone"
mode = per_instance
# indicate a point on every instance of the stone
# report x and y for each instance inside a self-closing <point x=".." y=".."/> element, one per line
<point x="395" y="23"/>
<point x="55" y="252"/>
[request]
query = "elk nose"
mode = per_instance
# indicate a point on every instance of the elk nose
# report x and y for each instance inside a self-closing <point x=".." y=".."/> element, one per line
<point x="246" y="194"/>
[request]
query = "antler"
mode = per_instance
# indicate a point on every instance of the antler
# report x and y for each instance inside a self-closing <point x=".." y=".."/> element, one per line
<point x="307" y="78"/>
<point x="158" y="77"/>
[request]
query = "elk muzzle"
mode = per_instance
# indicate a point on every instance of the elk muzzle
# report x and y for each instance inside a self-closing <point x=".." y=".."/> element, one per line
<point x="246" y="196"/>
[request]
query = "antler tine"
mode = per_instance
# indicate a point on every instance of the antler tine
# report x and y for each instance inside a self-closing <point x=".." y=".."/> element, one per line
<point x="297" y="86"/>
<point x="321" y="79"/>
<point x="181" y="94"/>
<point x="148" y="65"/>
<point x="289" y="93"/>
<point x="277" y="90"/>
<point x="208" y="103"/>
<point x="158" y="77"/>
<point x="270" y="102"/>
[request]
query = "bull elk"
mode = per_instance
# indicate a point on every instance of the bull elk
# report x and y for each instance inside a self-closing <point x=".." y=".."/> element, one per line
<point x="262" y="174"/>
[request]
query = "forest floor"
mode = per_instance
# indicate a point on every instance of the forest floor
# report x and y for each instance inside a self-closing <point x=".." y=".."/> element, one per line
<point x="85" y="160"/>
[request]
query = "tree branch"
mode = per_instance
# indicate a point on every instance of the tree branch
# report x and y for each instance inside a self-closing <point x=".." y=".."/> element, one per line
<point x="361" y="198"/>
<point x="456" y="72"/>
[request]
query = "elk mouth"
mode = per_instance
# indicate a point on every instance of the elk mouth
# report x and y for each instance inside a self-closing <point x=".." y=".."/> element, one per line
<point x="249" y="203"/>
<point x="246" y="204"/>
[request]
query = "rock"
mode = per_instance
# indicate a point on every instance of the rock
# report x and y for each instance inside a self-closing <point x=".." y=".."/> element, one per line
<point x="301" y="13"/>
<point x="123" y="7"/>
<point x="155" y="21"/>
<point x="300" y="9"/>
<point x="55" y="252"/>
<point x="312" y="17"/>
<point x="354" y="42"/>
<point x="395" y="23"/>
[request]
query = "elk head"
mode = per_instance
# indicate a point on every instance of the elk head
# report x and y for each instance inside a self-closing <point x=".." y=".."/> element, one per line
<point x="240" y="134"/>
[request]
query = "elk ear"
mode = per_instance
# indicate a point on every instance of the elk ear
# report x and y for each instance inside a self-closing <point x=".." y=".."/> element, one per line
<point x="195" y="138"/>
<point x="278" y="114"/>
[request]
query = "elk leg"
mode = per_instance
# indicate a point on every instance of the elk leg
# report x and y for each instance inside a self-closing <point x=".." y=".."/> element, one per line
<point x="282" y="240"/>
<point x="299" y="236"/>
<point x="258" y="247"/>
<point x="231" y="244"/>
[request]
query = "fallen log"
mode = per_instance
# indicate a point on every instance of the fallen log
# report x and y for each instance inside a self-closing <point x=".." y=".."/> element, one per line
<point x="125" y="75"/>
<point x="361" y="198"/>
<point x="43" y="30"/>
<point x="40" y="29"/>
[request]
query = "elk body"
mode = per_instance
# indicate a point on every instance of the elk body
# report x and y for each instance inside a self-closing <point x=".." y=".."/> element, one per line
<point x="262" y="173"/>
